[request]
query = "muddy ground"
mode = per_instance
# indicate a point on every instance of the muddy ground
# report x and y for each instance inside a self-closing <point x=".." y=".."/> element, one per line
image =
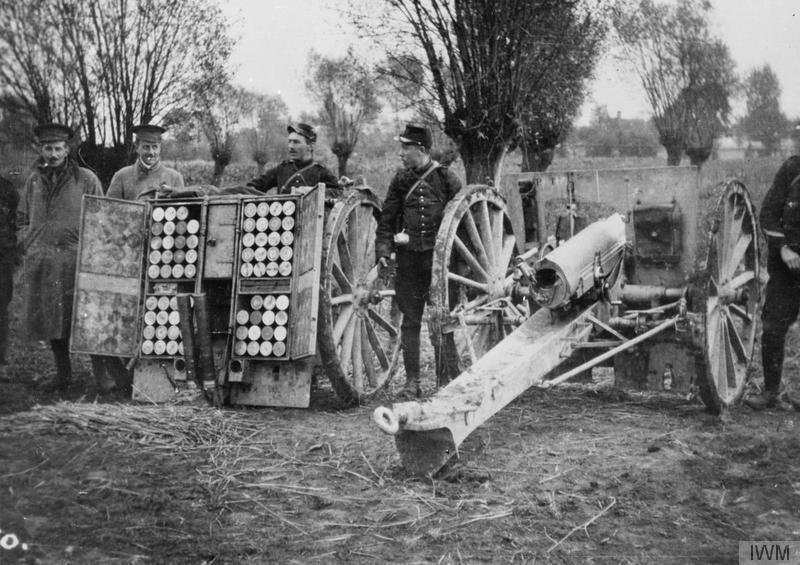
<point x="580" y="474"/>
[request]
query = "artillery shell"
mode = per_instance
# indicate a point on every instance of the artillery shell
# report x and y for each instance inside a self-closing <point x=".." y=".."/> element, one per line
<point x="163" y="303"/>
<point x="149" y="332"/>
<point x="285" y="268"/>
<point x="241" y="332"/>
<point x="166" y="256"/>
<point x="252" y="348"/>
<point x="169" y="228"/>
<point x="161" y="332"/>
<point x="180" y="228"/>
<point x="246" y="269"/>
<point x="192" y="242"/>
<point x="254" y="318"/>
<point x="157" y="229"/>
<point x="288" y="223"/>
<point x="150" y="317"/>
<point x="269" y="302"/>
<point x="266" y="333"/>
<point x="280" y="333"/>
<point x="254" y="332"/>
<point x="173" y="303"/>
<point x="179" y="255"/>
<point x="286" y="253"/>
<point x="173" y="333"/>
<point x="178" y="271"/>
<point x="155" y="242"/>
<point x="192" y="226"/>
<point x="151" y="303"/>
<point x="271" y="269"/>
<point x="275" y="209"/>
<point x="167" y="242"/>
<point x="154" y="257"/>
<point x="191" y="256"/>
<point x="250" y="209"/>
<point x="289" y="207"/>
<point x="248" y="240"/>
<point x="180" y="241"/>
<point x="242" y="316"/>
<point x="147" y="347"/>
<point x="249" y="224"/>
<point x="162" y="318"/>
<point x="247" y="254"/>
<point x="166" y="272"/>
<point x="190" y="271"/>
<point x="172" y="347"/>
<point x="159" y="347"/>
<point x="261" y="239"/>
<point x="263" y="208"/>
<point x="265" y="349"/>
<point x="281" y="317"/>
<point x="279" y="349"/>
<point x="273" y="254"/>
<point x="180" y="348"/>
<point x="256" y="302"/>
<point x="153" y="271"/>
<point x="262" y="224"/>
<point x="239" y="348"/>
<point x="282" y="302"/>
<point x="267" y="318"/>
<point x="259" y="269"/>
<point x="158" y="214"/>
<point x="274" y="223"/>
<point x="274" y="239"/>
<point x="287" y="238"/>
<point x="182" y="213"/>
<point x="169" y="213"/>
<point x="260" y="254"/>
<point x="174" y="318"/>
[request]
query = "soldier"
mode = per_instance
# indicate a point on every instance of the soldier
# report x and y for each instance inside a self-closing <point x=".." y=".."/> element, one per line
<point x="9" y="257"/>
<point x="414" y="207"/>
<point x="148" y="174"/>
<point x="48" y="219"/>
<point x="300" y="169"/>
<point x="780" y="220"/>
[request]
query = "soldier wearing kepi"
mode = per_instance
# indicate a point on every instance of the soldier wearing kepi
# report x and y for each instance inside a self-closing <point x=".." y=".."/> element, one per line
<point x="299" y="169"/>
<point x="48" y="219"/>
<point x="412" y="213"/>
<point x="780" y="221"/>
<point x="148" y="175"/>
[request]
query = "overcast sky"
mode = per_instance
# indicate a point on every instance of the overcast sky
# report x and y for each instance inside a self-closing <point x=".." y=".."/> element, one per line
<point x="276" y="36"/>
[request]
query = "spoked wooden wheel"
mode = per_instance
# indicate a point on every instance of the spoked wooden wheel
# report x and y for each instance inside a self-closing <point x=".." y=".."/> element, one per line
<point x="471" y="279"/>
<point x="359" y="329"/>
<point x="733" y="300"/>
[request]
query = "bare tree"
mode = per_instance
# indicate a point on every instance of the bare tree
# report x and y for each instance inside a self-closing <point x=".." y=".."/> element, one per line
<point x="346" y="90"/>
<point x="687" y="74"/>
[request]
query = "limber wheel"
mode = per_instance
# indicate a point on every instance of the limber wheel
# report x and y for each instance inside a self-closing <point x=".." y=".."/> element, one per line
<point x="359" y="327"/>
<point x="733" y="300"/>
<point x="471" y="279"/>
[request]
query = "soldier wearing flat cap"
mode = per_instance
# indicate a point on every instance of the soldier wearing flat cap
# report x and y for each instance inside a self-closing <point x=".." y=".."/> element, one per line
<point x="409" y="222"/>
<point x="48" y="221"/>
<point x="148" y="176"/>
<point x="300" y="169"/>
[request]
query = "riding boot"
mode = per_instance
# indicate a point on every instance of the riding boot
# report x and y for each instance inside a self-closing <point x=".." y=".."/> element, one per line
<point x="410" y="345"/>
<point x="63" y="367"/>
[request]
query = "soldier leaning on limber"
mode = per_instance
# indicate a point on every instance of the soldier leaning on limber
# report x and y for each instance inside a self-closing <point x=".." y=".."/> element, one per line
<point x="414" y="205"/>
<point x="48" y="221"/>
<point x="780" y="221"/>
<point x="299" y="169"/>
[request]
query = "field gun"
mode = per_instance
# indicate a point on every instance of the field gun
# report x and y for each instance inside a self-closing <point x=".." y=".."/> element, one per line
<point x="627" y="291"/>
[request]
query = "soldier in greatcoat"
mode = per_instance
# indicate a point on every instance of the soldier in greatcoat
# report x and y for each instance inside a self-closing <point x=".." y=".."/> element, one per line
<point x="148" y="176"/>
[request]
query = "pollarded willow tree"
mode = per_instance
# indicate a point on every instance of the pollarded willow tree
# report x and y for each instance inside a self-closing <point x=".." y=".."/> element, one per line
<point x="764" y="121"/>
<point x="687" y="73"/>
<point x="482" y="65"/>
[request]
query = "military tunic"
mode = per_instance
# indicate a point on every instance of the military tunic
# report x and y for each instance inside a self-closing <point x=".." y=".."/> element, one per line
<point x="48" y="217"/>
<point x="129" y="182"/>
<point x="289" y="175"/>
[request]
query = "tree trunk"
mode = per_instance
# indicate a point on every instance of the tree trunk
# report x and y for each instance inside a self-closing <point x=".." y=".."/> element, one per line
<point x="674" y="152"/>
<point x="342" y="159"/>
<point x="222" y="157"/>
<point x="698" y="155"/>
<point x="480" y="159"/>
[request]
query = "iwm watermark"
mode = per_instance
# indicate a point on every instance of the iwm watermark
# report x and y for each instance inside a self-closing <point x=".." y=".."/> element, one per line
<point x="769" y="552"/>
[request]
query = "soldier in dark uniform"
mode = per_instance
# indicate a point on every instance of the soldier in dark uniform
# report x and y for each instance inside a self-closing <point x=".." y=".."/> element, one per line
<point x="299" y="169"/>
<point x="414" y="207"/>
<point x="780" y="221"/>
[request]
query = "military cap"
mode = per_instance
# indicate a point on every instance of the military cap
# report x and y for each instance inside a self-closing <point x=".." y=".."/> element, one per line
<point x="52" y="132"/>
<point x="303" y="129"/>
<point x="417" y="135"/>
<point x="149" y="132"/>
